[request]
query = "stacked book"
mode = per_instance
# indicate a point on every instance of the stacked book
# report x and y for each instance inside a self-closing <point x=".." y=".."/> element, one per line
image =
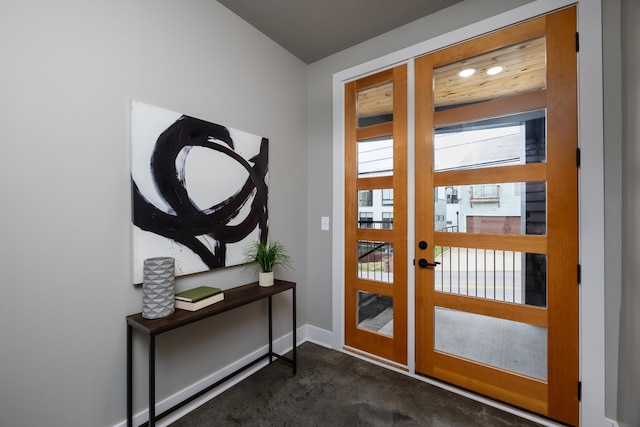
<point x="197" y="298"/>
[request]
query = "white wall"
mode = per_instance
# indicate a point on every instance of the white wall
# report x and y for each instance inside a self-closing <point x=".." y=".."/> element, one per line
<point x="629" y="367"/>
<point x="612" y="81"/>
<point x="69" y="69"/>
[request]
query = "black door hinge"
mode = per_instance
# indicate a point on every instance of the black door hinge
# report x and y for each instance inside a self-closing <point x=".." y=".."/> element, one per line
<point x="577" y="42"/>
<point x="579" y="391"/>
<point x="579" y="274"/>
<point x="578" y="157"/>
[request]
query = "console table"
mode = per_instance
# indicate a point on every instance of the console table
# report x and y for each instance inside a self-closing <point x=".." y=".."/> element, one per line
<point x="233" y="298"/>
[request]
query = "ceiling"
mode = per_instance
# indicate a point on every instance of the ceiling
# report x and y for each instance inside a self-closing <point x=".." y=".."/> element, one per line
<point x="312" y="29"/>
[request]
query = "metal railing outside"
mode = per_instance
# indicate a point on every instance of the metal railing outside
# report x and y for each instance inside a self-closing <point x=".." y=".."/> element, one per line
<point x="482" y="273"/>
<point x="375" y="261"/>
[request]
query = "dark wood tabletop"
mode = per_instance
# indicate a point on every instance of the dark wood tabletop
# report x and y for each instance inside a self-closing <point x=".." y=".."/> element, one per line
<point x="233" y="298"/>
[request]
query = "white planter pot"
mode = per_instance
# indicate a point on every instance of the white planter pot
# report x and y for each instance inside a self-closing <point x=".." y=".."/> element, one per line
<point x="266" y="279"/>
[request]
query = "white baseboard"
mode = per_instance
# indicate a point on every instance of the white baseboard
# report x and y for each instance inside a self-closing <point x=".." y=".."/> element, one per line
<point x="315" y="335"/>
<point x="613" y="423"/>
<point x="280" y="345"/>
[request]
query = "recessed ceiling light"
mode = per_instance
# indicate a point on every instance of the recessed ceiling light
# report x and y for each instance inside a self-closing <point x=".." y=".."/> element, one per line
<point x="495" y="70"/>
<point x="467" y="72"/>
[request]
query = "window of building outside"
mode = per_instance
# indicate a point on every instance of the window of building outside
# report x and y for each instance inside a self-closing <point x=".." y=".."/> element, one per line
<point x="365" y="198"/>
<point x="387" y="220"/>
<point x="387" y="196"/>
<point x="365" y="220"/>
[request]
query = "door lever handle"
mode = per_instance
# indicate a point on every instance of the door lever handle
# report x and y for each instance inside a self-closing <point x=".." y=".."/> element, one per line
<point x="423" y="263"/>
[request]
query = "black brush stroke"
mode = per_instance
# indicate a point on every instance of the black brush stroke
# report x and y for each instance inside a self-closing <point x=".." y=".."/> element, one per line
<point x="186" y="221"/>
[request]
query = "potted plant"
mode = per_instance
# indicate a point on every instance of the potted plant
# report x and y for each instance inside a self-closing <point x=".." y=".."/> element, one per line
<point x="268" y="256"/>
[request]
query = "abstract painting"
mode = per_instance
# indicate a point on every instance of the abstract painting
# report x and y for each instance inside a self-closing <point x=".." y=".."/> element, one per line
<point x="199" y="190"/>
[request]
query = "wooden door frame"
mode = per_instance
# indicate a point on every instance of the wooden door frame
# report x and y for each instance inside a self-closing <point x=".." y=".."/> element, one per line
<point x="590" y="85"/>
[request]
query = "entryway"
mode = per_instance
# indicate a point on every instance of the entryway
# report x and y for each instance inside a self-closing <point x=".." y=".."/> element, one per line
<point x="496" y="214"/>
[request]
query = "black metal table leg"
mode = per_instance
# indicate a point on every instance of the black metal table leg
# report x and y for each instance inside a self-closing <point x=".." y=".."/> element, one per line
<point x="270" y="330"/>
<point x="152" y="380"/>
<point x="129" y="376"/>
<point x="295" y="341"/>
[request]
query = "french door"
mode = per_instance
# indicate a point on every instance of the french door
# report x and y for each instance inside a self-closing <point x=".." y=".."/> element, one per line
<point x="497" y="218"/>
<point x="496" y="215"/>
<point x="376" y="215"/>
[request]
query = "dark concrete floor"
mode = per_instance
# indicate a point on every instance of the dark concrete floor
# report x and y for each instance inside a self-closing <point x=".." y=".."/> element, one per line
<point x="335" y="389"/>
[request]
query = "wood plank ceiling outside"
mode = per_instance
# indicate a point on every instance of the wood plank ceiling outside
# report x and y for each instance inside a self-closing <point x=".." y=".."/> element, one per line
<point x="524" y="71"/>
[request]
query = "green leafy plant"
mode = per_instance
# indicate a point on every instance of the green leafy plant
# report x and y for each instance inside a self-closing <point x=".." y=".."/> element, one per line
<point x="267" y="255"/>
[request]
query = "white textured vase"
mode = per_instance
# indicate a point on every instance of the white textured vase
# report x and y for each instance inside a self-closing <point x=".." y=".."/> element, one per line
<point x="266" y="279"/>
<point x="158" y="287"/>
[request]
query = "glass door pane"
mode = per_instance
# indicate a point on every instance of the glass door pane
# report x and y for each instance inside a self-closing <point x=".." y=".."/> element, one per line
<point x="507" y="276"/>
<point x="515" y="69"/>
<point x="494" y="208"/>
<point x="375" y="208"/>
<point x="515" y="139"/>
<point x="514" y="346"/>
<point x="375" y="157"/>
<point x="375" y="313"/>
<point x="375" y="261"/>
<point x="375" y="105"/>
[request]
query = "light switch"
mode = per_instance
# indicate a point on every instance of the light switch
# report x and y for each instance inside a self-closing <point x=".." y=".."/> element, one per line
<point x="324" y="223"/>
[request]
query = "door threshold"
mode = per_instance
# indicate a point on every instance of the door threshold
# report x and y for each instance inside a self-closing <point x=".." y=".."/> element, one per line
<point x="375" y="359"/>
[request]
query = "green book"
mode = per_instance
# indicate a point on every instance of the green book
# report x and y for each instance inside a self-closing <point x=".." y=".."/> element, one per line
<point x="196" y="294"/>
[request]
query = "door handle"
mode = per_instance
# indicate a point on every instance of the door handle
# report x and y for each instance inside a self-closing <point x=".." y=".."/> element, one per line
<point x="423" y="263"/>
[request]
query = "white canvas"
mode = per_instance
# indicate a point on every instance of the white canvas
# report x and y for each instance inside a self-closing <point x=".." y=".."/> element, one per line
<point x="199" y="190"/>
